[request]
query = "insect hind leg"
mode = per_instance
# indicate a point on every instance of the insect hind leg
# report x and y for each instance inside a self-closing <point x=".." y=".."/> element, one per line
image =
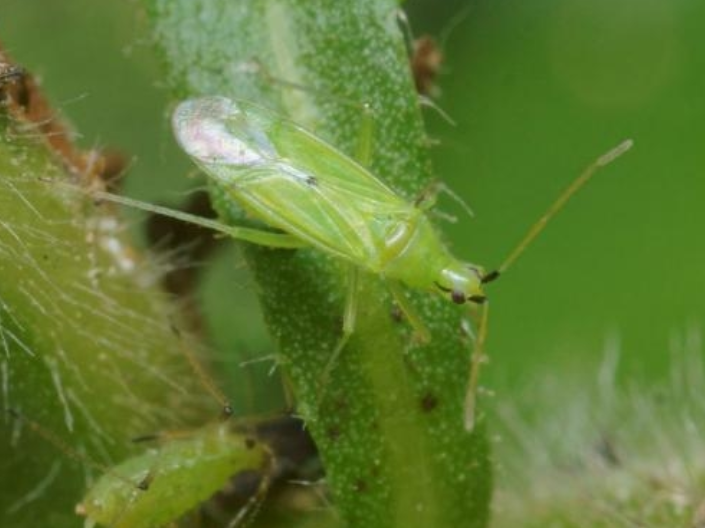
<point x="421" y="332"/>
<point x="255" y="236"/>
<point x="349" y="320"/>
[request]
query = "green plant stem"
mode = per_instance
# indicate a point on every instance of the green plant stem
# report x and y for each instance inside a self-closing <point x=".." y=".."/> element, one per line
<point x="389" y="424"/>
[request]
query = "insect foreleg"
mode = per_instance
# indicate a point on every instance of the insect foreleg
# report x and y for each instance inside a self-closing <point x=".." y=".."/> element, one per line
<point x="420" y="330"/>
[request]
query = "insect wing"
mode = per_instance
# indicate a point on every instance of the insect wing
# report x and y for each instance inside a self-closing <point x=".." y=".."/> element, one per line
<point x="290" y="179"/>
<point x="320" y="195"/>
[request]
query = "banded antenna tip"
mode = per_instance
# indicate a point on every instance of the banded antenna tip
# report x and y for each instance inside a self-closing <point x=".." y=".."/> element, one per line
<point x="616" y="152"/>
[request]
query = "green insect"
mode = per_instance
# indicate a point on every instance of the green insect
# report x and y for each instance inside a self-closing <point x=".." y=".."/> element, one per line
<point x="318" y="197"/>
<point x="160" y="486"/>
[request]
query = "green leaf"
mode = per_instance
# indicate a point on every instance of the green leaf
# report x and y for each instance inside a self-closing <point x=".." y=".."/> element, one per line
<point x="389" y="424"/>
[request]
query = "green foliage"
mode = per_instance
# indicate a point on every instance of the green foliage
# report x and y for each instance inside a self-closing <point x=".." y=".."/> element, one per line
<point x="537" y="89"/>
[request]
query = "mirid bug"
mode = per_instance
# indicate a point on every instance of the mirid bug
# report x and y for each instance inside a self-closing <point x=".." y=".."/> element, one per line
<point x="318" y="197"/>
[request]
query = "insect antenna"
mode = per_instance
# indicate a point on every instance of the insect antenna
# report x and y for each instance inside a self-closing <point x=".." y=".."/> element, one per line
<point x="203" y="377"/>
<point x="478" y="356"/>
<point x="557" y="205"/>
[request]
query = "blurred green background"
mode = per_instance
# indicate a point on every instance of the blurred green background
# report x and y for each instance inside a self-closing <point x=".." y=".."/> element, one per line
<point x="537" y="90"/>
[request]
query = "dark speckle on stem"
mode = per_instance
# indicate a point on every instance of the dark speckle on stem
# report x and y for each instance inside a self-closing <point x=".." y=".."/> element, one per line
<point x="360" y="486"/>
<point x="333" y="433"/>
<point x="429" y="402"/>
<point x="397" y="314"/>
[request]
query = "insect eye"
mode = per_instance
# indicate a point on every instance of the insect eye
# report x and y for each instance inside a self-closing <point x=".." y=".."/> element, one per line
<point x="458" y="297"/>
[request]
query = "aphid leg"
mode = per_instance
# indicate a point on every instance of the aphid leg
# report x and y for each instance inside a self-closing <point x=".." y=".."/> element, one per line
<point x="476" y="360"/>
<point x="421" y="333"/>
<point x="349" y="319"/>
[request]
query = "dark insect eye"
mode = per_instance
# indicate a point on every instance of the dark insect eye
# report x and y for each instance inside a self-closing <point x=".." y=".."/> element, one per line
<point x="458" y="297"/>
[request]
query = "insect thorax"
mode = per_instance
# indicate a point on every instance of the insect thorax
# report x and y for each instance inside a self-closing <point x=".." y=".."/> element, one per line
<point x="418" y="258"/>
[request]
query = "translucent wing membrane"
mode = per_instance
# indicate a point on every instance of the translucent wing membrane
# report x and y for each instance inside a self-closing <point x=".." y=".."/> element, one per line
<point x="292" y="180"/>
